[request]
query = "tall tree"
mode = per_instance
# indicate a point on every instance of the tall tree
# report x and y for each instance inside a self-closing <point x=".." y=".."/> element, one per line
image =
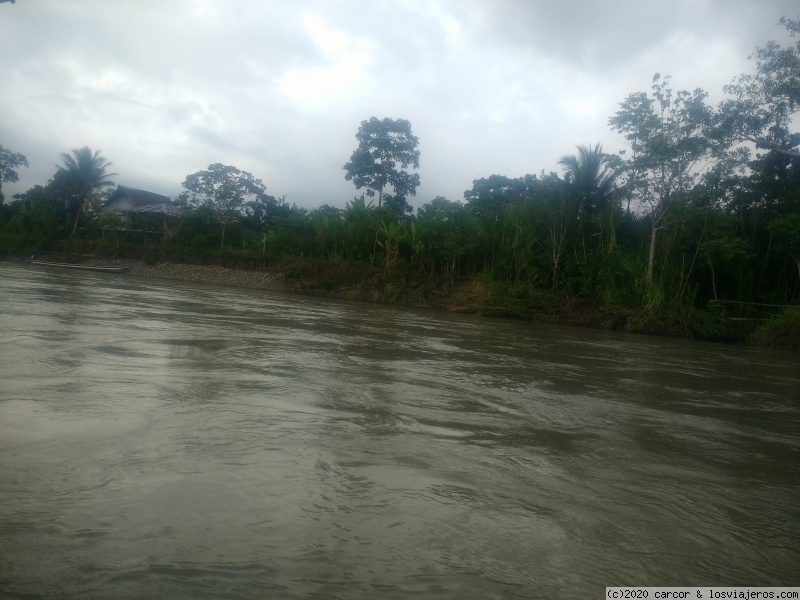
<point x="385" y="149"/>
<point x="9" y="163"/>
<point x="224" y="190"/>
<point x="762" y="105"/>
<point x="83" y="177"/>
<point x="590" y="175"/>
<point x="557" y="209"/>
<point x="670" y="142"/>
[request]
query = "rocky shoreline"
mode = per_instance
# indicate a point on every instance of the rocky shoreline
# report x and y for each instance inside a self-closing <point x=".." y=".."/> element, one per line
<point x="252" y="279"/>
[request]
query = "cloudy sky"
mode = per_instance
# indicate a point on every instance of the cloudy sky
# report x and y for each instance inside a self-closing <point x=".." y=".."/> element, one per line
<point x="166" y="87"/>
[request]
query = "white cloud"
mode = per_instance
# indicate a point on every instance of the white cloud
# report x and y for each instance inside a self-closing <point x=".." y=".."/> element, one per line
<point x="278" y="89"/>
<point x="342" y="74"/>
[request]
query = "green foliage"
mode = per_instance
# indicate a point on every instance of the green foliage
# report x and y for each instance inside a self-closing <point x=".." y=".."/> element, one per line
<point x="782" y="331"/>
<point x="787" y="229"/>
<point x="223" y="190"/>
<point x="591" y="175"/>
<point x="9" y="163"/>
<point x="386" y="147"/>
<point x="496" y="192"/>
<point x="82" y="179"/>
<point x="669" y="137"/>
<point x="762" y="105"/>
<point x="38" y="212"/>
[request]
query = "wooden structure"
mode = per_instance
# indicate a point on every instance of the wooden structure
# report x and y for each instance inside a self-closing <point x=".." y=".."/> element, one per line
<point x="146" y="214"/>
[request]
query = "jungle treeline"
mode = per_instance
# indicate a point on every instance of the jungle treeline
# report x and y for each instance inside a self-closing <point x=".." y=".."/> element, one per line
<point x="693" y="229"/>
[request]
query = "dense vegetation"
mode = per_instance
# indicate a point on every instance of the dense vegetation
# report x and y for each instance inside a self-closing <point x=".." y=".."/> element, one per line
<point x="693" y="230"/>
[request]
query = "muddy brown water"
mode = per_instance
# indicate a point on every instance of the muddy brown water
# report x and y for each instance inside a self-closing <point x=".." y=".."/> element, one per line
<point x="176" y="440"/>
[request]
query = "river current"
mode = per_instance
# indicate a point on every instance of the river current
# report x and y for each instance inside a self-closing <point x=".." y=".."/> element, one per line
<point x="171" y="440"/>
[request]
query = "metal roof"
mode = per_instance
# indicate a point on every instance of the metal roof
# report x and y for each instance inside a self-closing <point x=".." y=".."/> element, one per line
<point x="132" y="200"/>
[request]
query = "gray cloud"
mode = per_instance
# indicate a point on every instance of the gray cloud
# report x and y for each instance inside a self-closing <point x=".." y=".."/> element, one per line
<point x="163" y="89"/>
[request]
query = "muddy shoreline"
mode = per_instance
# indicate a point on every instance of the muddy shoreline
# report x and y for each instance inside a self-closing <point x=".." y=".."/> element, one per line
<point x="465" y="298"/>
<point x="252" y="278"/>
<point x="214" y="274"/>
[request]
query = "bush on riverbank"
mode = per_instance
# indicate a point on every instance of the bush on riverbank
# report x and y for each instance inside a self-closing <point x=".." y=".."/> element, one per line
<point x="781" y="331"/>
<point x="484" y="294"/>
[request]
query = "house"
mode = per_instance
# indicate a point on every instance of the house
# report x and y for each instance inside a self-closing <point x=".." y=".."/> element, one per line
<point x="145" y="213"/>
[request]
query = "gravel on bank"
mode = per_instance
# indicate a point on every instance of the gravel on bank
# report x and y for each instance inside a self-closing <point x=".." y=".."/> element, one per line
<point x="252" y="278"/>
<point x="243" y="278"/>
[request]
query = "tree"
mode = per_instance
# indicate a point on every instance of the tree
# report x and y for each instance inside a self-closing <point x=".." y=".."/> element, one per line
<point x="669" y="138"/>
<point x="398" y="204"/>
<point x="721" y="251"/>
<point x="265" y="207"/>
<point x="787" y="229"/>
<point x="493" y="193"/>
<point x="557" y="207"/>
<point x="446" y="229"/>
<point x="591" y="174"/>
<point x="40" y="211"/>
<point x="385" y="148"/>
<point x="763" y="104"/>
<point x="83" y="177"/>
<point x="9" y="163"/>
<point x="223" y="190"/>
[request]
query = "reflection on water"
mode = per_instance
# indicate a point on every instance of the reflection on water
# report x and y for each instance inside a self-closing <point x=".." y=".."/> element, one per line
<point x="179" y="441"/>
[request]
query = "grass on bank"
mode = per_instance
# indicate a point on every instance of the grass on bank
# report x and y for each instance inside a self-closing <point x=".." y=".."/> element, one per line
<point x="482" y="294"/>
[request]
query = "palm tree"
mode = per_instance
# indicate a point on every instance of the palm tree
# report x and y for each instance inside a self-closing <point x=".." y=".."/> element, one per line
<point x="84" y="175"/>
<point x="591" y="173"/>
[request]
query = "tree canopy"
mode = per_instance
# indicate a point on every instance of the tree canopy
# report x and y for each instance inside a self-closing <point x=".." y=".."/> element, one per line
<point x="82" y="177"/>
<point x="762" y="104"/>
<point x="224" y="190"/>
<point x="592" y="173"/>
<point x="386" y="147"/>
<point x="669" y="136"/>
<point x="9" y="163"/>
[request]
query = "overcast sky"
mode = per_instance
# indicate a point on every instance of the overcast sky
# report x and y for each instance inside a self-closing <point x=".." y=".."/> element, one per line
<point x="163" y="88"/>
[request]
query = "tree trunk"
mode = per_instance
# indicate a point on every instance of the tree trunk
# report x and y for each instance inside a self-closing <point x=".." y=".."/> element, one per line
<point x="556" y="254"/>
<point x="652" y="257"/>
<point x="713" y="279"/>
<point x="766" y="260"/>
<point x="222" y="242"/>
<point x="555" y="270"/>
<point x="796" y="258"/>
<point x="77" y="218"/>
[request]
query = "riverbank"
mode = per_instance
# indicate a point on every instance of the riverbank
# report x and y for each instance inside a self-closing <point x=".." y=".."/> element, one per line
<point x="175" y="271"/>
<point x="363" y="283"/>
<point x="214" y="274"/>
<point x="366" y="283"/>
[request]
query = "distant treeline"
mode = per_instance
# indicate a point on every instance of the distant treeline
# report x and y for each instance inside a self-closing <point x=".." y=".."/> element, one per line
<point x="695" y="225"/>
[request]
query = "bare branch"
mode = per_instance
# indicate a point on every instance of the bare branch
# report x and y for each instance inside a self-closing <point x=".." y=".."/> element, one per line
<point x="765" y="144"/>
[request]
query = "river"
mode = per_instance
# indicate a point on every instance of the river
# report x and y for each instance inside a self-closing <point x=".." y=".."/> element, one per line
<point x="175" y="440"/>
